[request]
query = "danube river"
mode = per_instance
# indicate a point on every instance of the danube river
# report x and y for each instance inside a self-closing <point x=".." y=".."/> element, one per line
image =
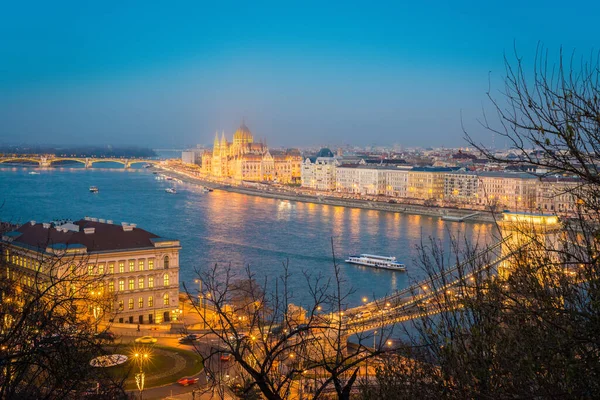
<point x="232" y="229"/>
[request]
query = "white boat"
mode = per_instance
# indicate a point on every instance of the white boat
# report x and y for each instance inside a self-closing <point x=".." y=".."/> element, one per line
<point x="34" y="173"/>
<point x="371" y="260"/>
<point x="171" y="190"/>
<point x="94" y="189"/>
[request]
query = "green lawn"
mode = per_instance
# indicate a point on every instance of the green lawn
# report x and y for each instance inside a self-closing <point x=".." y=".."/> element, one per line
<point x="164" y="365"/>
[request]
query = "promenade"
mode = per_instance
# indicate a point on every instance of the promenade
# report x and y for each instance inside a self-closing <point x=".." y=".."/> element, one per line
<point x="298" y="194"/>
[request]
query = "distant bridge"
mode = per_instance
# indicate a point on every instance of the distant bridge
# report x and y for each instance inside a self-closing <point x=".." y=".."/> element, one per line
<point x="45" y="161"/>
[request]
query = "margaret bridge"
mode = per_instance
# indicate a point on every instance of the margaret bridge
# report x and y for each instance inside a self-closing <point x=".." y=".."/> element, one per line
<point x="45" y="161"/>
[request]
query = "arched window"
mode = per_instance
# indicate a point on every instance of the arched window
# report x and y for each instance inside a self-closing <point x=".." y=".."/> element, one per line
<point x="166" y="279"/>
<point x="166" y="262"/>
<point x="166" y="299"/>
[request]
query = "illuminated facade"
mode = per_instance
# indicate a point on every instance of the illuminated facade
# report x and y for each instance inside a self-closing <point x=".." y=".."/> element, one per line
<point x="244" y="160"/>
<point x="137" y="270"/>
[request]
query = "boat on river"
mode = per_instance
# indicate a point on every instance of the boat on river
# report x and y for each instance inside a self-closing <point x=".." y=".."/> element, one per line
<point x="34" y="173"/>
<point x="374" y="261"/>
<point x="94" y="189"/>
<point x="171" y="190"/>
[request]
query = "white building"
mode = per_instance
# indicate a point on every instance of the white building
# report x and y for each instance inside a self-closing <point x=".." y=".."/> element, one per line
<point x="320" y="172"/>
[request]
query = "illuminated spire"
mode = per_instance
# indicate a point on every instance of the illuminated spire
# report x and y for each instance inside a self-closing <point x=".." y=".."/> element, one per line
<point x="216" y="142"/>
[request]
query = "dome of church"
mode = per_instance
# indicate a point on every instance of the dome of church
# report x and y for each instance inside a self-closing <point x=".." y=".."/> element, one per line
<point x="243" y="134"/>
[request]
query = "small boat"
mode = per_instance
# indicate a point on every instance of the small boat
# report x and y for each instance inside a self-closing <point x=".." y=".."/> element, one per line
<point x="171" y="190"/>
<point x="94" y="189"/>
<point x="34" y="173"/>
<point x="148" y="166"/>
<point x="169" y="178"/>
<point x="370" y="260"/>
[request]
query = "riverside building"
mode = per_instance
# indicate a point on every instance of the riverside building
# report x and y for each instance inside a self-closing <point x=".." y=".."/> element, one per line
<point x="135" y="270"/>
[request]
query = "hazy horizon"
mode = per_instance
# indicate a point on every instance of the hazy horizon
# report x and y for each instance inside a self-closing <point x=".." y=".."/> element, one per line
<point x="308" y="75"/>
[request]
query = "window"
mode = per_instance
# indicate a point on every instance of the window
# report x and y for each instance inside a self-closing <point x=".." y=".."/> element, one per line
<point x="131" y="265"/>
<point x="131" y="284"/>
<point x="111" y="286"/>
<point x="140" y="283"/>
<point x="111" y="268"/>
<point x="130" y="305"/>
<point x="121" y="305"/>
<point x="121" y="285"/>
<point x="141" y="302"/>
<point x="121" y="266"/>
<point x="150" y="264"/>
<point x="90" y="269"/>
<point x="166" y="262"/>
<point x="166" y="299"/>
<point x="150" y="301"/>
<point x="141" y="265"/>
<point x="101" y="269"/>
<point x="150" y="282"/>
<point x="166" y="279"/>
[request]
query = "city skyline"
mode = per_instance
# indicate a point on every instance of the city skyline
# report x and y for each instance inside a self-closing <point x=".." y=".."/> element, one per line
<point x="301" y="76"/>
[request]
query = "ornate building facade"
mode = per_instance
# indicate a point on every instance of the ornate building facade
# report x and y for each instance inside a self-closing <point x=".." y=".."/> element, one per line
<point x="246" y="160"/>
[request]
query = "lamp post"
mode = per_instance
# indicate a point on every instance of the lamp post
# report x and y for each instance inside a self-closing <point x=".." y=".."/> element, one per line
<point x="201" y="300"/>
<point x="140" y="377"/>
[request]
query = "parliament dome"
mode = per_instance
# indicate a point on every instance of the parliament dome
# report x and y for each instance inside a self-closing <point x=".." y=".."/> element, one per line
<point x="243" y="135"/>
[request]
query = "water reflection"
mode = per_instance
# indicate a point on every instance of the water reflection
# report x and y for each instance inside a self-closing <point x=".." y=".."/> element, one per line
<point x="234" y="229"/>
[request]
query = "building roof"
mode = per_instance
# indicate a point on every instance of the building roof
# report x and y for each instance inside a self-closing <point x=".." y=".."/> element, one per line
<point x="324" y="152"/>
<point x="94" y="236"/>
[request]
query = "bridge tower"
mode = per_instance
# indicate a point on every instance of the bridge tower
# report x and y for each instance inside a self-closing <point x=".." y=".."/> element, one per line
<point x="526" y="234"/>
<point x="88" y="163"/>
<point x="127" y="164"/>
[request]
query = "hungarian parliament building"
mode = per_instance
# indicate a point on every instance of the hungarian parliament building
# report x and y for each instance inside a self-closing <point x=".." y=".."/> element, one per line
<point x="245" y="160"/>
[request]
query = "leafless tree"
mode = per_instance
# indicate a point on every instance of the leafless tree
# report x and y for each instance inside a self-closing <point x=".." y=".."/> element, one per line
<point x="49" y="310"/>
<point x="278" y="348"/>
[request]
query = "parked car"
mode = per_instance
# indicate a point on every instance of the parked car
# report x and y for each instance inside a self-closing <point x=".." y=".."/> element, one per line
<point x="188" y="338"/>
<point x="225" y="356"/>
<point x="146" y="340"/>
<point x="188" y="381"/>
<point x="106" y="336"/>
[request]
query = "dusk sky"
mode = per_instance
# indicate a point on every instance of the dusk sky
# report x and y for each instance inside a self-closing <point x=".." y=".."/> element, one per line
<point x="320" y="73"/>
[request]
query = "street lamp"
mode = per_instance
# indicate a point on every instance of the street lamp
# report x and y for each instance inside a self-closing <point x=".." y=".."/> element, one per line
<point x="140" y="377"/>
<point x="201" y="299"/>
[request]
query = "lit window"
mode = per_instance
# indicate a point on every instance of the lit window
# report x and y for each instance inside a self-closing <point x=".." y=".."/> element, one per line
<point x="141" y="302"/>
<point x="130" y="305"/>
<point x="111" y="286"/>
<point x="166" y="262"/>
<point x="121" y="305"/>
<point x="150" y="281"/>
<point x="121" y="285"/>
<point x="111" y="268"/>
<point x="90" y="269"/>
<point x="140" y="265"/>
<point x="151" y="264"/>
<point x="131" y="284"/>
<point x="101" y="269"/>
<point x="166" y="299"/>
<point x="150" y="301"/>
<point x="140" y="283"/>
<point x="121" y="266"/>
<point x="131" y="265"/>
<point x="166" y="279"/>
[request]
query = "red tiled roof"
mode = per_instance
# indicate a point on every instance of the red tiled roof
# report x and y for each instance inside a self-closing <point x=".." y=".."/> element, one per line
<point x="106" y="237"/>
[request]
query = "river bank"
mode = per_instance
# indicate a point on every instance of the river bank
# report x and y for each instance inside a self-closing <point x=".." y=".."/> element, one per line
<point x="274" y="193"/>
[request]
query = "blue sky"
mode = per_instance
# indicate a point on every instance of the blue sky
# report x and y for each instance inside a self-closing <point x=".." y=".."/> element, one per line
<point x="322" y="73"/>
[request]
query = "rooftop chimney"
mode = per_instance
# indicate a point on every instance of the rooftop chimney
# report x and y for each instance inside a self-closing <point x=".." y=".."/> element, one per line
<point x="32" y="222"/>
<point x="89" y="231"/>
<point x="46" y="225"/>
